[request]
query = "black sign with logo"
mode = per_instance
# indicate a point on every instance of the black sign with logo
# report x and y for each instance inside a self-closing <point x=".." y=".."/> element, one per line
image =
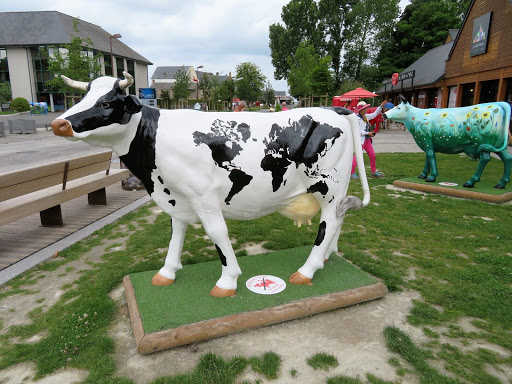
<point x="480" y="36"/>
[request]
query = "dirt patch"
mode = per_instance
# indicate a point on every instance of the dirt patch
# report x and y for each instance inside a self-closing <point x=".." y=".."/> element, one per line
<point x="23" y="374"/>
<point x="354" y="335"/>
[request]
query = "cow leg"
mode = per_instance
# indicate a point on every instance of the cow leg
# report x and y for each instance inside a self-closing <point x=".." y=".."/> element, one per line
<point x="167" y="273"/>
<point x="431" y="158"/>
<point x="216" y="229"/>
<point x="484" y="159"/>
<point x="333" y="247"/>
<point x="331" y="220"/>
<point x="426" y="169"/>
<point x="507" y="163"/>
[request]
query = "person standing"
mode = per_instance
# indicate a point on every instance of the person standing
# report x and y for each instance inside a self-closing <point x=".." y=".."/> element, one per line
<point x="366" y="136"/>
<point x="389" y="105"/>
<point x="284" y="106"/>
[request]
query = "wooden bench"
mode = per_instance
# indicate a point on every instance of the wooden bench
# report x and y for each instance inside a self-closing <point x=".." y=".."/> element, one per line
<point x="42" y="189"/>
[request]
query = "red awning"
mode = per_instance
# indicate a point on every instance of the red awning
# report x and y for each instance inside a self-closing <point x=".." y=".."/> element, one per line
<point x="360" y="93"/>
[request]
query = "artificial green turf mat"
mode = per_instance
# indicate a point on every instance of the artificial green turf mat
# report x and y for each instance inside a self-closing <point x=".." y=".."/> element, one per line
<point x="482" y="186"/>
<point x="188" y="300"/>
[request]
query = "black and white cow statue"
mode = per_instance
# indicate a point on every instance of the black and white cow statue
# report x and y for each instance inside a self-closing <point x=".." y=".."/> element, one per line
<point x="206" y="167"/>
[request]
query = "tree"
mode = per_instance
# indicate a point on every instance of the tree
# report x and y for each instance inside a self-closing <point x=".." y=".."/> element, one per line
<point x="309" y="74"/>
<point x="423" y="25"/>
<point x="206" y="86"/>
<point x="20" y="104"/>
<point x="368" y="22"/>
<point x="249" y="81"/>
<point x="5" y="92"/>
<point x="226" y="91"/>
<point x="301" y="20"/>
<point x="321" y="78"/>
<point x="165" y="96"/>
<point x="301" y="65"/>
<point x="334" y="22"/>
<point x="269" y="95"/>
<point x="182" y="83"/>
<point x="73" y="60"/>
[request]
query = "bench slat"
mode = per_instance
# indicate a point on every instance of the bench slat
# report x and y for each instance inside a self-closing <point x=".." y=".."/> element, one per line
<point x="20" y="182"/>
<point x="27" y="174"/>
<point x="20" y="207"/>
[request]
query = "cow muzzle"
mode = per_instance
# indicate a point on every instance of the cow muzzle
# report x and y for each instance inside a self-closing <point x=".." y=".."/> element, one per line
<point x="62" y="128"/>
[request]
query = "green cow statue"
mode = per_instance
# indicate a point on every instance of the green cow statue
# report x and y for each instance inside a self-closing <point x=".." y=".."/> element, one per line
<point x="476" y="130"/>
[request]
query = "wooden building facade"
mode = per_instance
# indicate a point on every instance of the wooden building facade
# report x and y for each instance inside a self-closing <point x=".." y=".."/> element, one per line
<point x="473" y="66"/>
<point x="479" y="66"/>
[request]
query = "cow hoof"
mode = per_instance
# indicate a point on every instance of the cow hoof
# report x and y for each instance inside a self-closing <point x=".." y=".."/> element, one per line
<point x="467" y="185"/>
<point x="429" y="180"/>
<point x="422" y="177"/>
<point x="158" y="279"/>
<point x="498" y="186"/>
<point x="299" y="279"/>
<point x="220" y="292"/>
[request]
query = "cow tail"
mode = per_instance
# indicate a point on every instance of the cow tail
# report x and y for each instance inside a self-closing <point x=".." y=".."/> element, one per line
<point x="358" y="150"/>
<point x="506" y="124"/>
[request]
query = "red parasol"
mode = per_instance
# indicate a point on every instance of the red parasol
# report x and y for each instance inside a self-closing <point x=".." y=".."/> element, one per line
<point x="360" y="93"/>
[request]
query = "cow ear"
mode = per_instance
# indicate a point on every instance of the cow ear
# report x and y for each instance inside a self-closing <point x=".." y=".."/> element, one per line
<point x="132" y="105"/>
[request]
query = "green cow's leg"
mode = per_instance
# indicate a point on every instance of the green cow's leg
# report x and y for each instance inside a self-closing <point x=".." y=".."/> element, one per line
<point x="484" y="159"/>
<point x="507" y="162"/>
<point x="426" y="169"/>
<point x="431" y="158"/>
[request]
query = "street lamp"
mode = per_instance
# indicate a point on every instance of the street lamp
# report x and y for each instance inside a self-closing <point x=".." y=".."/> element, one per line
<point x="116" y="36"/>
<point x="197" y="83"/>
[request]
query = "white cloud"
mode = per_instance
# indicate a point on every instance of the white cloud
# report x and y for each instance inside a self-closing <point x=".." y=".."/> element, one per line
<point x="218" y="34"/>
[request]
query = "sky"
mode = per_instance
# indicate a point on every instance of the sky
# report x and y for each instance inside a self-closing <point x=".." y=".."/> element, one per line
<point x="217" y="34"/>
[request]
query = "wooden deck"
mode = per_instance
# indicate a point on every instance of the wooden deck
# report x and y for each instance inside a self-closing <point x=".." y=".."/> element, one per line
<point x="24" y="237"/>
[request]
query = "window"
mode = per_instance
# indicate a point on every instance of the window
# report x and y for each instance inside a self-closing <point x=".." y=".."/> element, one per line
<point x="489" y="91"/>
<point x="119" y="66"/>
<point x="107" y="59"/>
<point x="468" y="93"/>
<point x="508" y="92"/>
<point x="40" y="64"/>
<point x="4" y="67"/>
<point x="130" y="67"/>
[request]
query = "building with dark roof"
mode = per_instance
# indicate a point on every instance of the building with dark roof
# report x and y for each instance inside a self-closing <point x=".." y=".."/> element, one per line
<point x="26" y="36"/>
<point x="164" y="78"/>
<point x="420" y="82"/>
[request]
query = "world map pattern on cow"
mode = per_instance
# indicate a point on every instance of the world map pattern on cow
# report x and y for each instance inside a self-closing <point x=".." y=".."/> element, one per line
<point x="225" y="142"/>
<point x="302" y="142"/>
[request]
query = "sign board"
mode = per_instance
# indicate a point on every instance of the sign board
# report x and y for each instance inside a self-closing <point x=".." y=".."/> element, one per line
<point x="394" y="79"/>
<point x="147" y="96"/>
<point x="480" y="36"/>
<point x="147" y="93"/>
<point x="265" y="284"/>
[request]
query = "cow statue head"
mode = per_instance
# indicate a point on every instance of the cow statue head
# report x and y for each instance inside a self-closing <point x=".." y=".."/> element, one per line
<point x="399" y="113"/>
<point x="103" y="113"/>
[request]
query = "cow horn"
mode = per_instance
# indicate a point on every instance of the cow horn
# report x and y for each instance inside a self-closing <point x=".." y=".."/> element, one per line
<point x="82" y="85"/>
<point x="403" y="99"/>
<point x="126" y="82"/>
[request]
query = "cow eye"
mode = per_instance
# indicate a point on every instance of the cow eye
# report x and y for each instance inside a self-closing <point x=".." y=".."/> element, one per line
<point x="105" y="104"/>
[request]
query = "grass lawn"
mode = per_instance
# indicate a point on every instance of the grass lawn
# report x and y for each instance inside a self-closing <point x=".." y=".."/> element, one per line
<point x="457" y="254"/>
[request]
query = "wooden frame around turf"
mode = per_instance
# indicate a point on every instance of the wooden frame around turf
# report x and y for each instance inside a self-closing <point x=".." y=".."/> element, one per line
<point x="463" y="193"/>
<point x="209" y="329"/>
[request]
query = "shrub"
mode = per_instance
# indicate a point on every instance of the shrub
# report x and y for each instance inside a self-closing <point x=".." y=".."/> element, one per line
<point x="20" y="104"/>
